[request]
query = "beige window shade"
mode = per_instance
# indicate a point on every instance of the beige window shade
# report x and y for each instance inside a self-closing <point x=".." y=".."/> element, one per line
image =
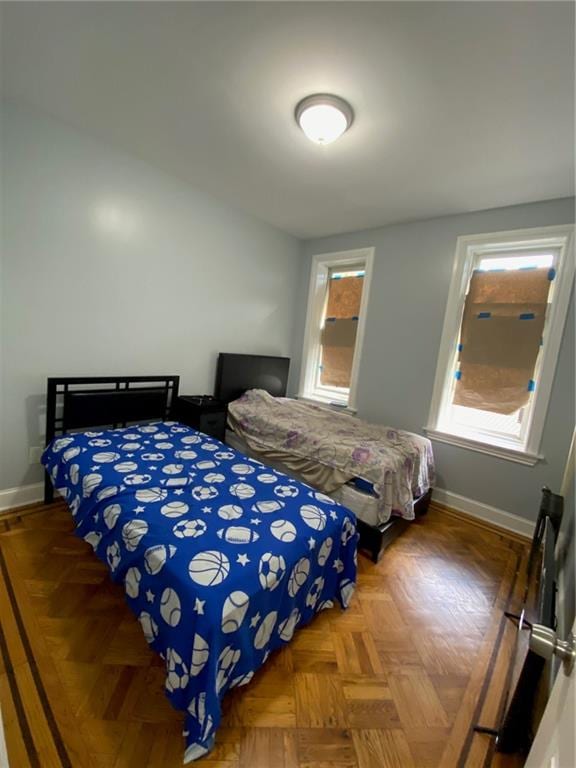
<point x="339" y="333"/>
<point x="500" y="338"/>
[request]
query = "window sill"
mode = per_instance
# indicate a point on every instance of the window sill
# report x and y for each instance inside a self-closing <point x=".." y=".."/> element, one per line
<point x="499" y="451"/>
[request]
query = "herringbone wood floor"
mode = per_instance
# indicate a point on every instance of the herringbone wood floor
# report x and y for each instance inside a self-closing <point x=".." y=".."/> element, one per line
<point x="394" y="682"/>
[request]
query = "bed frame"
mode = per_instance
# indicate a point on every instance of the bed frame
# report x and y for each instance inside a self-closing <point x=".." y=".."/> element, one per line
<point x="237" y="373"/>
<point x="375" y="538"/>
<point x="81" y="402"/>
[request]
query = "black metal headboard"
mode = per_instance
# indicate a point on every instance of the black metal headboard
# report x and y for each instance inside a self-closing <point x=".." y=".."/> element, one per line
<point x="81" y="402"/>
<point x="237" y="373"/>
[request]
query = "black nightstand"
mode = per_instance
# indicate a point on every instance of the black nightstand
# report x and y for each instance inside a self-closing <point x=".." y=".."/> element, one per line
<point x="203" y="413"/>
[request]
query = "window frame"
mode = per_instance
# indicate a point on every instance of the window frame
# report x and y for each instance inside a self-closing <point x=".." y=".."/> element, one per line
<point x="321" y="264"/>
<point x="468" y="248"/>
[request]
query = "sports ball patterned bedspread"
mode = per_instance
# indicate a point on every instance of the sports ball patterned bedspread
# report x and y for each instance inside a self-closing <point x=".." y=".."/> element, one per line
<point x="222" y="559"/>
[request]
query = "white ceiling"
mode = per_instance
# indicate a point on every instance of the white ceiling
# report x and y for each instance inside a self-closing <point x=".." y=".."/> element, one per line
<point x="459" y="106"/>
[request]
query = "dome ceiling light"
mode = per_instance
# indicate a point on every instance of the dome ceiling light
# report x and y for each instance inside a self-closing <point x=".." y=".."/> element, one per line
<point x="324" y="117"/>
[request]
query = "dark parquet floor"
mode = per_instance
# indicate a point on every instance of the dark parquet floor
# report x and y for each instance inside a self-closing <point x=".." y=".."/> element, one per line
<point x="396" y="681"/>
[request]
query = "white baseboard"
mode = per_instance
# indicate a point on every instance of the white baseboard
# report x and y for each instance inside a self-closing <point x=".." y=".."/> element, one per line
<point x="484" y="512"/>
<point x="12" y="498"/>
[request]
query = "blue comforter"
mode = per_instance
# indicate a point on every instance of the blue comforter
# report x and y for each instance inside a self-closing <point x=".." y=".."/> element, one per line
<point x="222" y="558"/>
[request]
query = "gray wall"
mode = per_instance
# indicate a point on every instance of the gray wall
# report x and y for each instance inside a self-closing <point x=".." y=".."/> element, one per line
<point x="112" y="267"/>
<point x="412" y="270"/>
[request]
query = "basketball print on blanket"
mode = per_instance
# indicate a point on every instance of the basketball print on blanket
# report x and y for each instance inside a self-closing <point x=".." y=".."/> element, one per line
<point x="313" y="516"/>
<point x="209" y="568"/>
<point x="90" y="483"/>
<point x="105" y="457"/>
<point x="221" y="559"/>
<point x="242" y="490"/>
<point x="149" y="495"/>
<point x="132" y="533"/>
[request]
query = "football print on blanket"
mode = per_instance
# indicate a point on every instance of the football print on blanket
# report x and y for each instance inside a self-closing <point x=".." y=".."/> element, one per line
<point x="221" y="559"/>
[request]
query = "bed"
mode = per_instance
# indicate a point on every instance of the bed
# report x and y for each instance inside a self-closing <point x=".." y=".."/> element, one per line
<point x="383" y="475"/>
<point x="222" y="559"/>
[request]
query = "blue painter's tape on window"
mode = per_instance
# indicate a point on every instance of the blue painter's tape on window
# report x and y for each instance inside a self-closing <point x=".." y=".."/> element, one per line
<point x="458" y="375"/>
<point x="525" y="269"/>
<point x="484" y="315"/>
<point x="330" y="319"/>
<point x="460" y="347"/>
<point x="531" y="385"/>
<point x="336" y="277"/>
<point x="526" y="316"/>
<point x="551" y="273"/>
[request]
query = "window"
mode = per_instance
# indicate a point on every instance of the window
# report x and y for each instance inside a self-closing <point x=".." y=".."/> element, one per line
<point x="339" y="284"/>
<point x="502" y="330"/>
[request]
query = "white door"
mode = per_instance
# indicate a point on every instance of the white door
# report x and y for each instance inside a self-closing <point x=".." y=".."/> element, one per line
<point x="555" y="742"/>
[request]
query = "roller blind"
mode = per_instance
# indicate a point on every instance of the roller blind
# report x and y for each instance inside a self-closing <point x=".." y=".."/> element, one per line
<point x="500" y="338"/>
<point x="338" y="338"/>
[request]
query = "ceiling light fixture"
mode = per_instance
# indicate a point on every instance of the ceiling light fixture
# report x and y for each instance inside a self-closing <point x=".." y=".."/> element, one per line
<point x="323" y="117"/>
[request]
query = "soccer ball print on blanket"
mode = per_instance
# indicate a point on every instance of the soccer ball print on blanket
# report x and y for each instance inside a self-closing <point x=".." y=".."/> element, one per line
<point x="221" y="559"/>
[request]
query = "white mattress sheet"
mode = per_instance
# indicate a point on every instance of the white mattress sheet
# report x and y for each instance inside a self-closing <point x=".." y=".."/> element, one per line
<point x="364" y="505"/>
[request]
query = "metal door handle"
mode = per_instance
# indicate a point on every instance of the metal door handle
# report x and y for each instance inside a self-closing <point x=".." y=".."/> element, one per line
<point x="544" y="642"/>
